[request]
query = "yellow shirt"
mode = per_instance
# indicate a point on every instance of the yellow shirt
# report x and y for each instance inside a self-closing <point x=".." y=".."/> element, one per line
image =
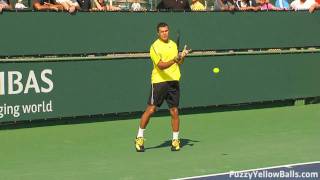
<point x="165" y="52"/>
<point x="197" y="6"/>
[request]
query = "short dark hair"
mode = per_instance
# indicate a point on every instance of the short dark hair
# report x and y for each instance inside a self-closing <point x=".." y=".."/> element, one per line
<point x="162" y="24"/>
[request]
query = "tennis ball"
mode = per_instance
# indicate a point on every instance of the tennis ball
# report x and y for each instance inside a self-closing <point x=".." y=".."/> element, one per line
<point x="216" y="70"/>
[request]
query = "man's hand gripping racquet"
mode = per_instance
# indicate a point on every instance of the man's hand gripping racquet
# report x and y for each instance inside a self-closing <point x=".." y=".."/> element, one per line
<point x="180" y="59"/>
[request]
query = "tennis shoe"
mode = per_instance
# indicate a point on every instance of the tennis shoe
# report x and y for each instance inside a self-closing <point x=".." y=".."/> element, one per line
<point x="139" y="144"/>
<point x="175" y="145"/>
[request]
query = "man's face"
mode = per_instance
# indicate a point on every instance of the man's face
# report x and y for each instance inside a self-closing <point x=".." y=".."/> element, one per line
<point x="163" y="33"/>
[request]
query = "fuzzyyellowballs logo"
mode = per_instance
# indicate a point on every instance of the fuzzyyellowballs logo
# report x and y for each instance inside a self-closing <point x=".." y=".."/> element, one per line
<point x="16" y="82"/>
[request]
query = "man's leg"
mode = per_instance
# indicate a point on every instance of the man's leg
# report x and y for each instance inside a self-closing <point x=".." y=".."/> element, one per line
<point x="174" y="112"/>
<point x="173" y="99"/>
<point x="175" y="122"/>
<point x="157" y="95"/>
<point x="150" y="110"/>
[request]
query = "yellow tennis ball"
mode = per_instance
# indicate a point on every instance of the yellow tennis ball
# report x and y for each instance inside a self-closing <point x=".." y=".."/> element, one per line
<point x="216" y="70"/>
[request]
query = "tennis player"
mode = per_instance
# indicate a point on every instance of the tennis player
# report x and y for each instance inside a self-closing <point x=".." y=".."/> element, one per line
<point x="164" y="84"/>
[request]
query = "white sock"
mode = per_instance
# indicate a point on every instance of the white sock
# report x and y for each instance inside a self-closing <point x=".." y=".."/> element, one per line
<point x="140" y="132"/>
<point x="175" y="135"/>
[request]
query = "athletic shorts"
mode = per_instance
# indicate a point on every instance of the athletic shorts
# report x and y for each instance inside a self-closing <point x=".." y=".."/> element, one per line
<point x="169" y="91"/>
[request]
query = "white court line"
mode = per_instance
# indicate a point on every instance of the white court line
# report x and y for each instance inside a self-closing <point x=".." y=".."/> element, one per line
<point x="258" y="169"/>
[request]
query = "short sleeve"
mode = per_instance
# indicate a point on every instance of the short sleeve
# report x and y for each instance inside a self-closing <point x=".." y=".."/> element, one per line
<point x="155" y="57"/>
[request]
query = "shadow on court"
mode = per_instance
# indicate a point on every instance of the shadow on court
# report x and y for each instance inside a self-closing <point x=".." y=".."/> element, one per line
<point x="183" y="143"/>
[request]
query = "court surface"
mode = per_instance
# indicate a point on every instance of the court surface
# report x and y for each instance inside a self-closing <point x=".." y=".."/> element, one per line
<point x="213" y="143"/>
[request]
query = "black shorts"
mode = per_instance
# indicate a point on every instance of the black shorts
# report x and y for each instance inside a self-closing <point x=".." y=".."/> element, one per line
<point x="169" y="91"/>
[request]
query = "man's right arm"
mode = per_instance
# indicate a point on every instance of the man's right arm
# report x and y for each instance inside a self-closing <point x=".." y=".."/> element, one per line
<point x="164" y="65"/>
<point x="157" y="59"/>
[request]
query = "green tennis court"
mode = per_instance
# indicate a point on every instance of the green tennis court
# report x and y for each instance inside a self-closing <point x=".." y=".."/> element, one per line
<point x="212" y="143"/>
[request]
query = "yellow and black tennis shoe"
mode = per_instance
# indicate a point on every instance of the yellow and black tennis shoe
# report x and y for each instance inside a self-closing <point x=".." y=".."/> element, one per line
<point x="175" y="145"/>
<point x="139" y="143"/>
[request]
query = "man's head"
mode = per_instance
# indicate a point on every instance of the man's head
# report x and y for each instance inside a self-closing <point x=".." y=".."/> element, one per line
<point x="163" y="31"/>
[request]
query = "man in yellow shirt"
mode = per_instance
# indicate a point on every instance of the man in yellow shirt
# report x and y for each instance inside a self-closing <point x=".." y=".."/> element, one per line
<point x="165" y="84"/>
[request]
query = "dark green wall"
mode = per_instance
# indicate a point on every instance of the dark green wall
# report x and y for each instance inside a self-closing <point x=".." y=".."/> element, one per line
<point x="39" y="33"/>
<point x="109" y="86"/>
<point x="122" y="85"/>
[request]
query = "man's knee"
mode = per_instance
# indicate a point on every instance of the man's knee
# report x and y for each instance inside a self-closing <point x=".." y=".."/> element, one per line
<point x="174" y="111"/>
<point x="151" y="110"/>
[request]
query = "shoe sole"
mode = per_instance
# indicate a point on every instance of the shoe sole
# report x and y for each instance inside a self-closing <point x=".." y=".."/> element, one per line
<point x="173" y="149"/>
<point x="141" y="149"/>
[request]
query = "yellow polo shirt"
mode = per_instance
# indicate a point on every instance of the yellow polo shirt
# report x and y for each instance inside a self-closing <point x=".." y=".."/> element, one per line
<point x="165" y="52"/>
